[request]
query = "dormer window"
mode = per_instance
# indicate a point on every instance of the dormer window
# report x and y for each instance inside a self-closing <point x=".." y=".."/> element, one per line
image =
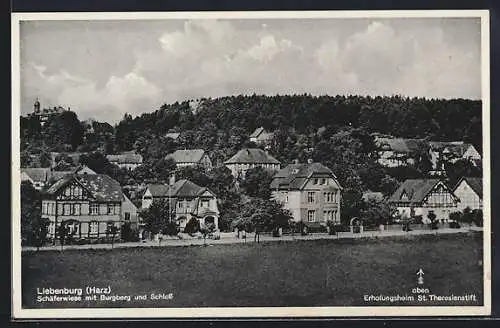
<point x="315" y="181"/>
<point x="404" y="196"/>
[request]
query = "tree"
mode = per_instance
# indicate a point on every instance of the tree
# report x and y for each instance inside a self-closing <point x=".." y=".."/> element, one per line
<point x="206" y="230"/>
<point x="30" y="212"/>
<point x="376" y="212"/>
<point x="111" y="230"/>
<point x="192" y="226"/>
<point x="195" y="174"/>
<point x="63" y="129"/>
<point x="157" y="216"/>
<point x="461" y="168"/>
<point x="98" y="162"/>
<point x="45" y="159"/>
<point x="432" y="217"/>
<point x="63" y="233"/>
<point x="477" y="217"/>
<point x="257" y="183"/>
<point x="40" y="231"/>
<point x="467" y="216"/>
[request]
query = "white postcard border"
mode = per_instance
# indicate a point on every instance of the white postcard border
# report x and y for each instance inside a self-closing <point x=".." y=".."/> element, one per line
<point x="246" y="312"/>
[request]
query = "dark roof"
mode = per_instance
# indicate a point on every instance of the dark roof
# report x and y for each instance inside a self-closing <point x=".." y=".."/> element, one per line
<point x="158" y="190"/>
<point x="415" y="189"/>
<point x="187" y="155"/>
<point x="181" y="188"/>
<point x="100" y="186"/>
<point x="252" y="156"/>
<point x="475" y="183"/>
<point x="293" y="176"/>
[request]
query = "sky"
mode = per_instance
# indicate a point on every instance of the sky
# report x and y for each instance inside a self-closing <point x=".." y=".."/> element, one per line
<point x="104" y="69"/>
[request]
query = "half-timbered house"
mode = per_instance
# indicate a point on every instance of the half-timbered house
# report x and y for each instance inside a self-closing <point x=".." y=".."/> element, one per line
<point x="421" y="196"/>
<point x="86" y="203"/>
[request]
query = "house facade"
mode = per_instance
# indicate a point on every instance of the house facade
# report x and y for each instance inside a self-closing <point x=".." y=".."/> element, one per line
<point x="86" y="203"/>
<point x="395" y="152"/>
<point x="187" y="200"/>
<point x="470" y="192"/>
<point x="129" y="213"/>
<point x="261" y="136"/>
<point x="249" y="158"/>
<point x="421" y="196"/>
<point x="191" y="157"/>
<point x="311" y="192"/>
<point x="128" y="160"/>
<point x="442" y="152"/>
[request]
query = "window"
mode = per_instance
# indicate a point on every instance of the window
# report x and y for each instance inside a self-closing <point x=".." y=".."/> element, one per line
<point x="94" y="208"/>
<point x="67" y="209"/>
<point x="44" y="208"/>
<point x="127" y="216"/>
<point x="310" y="197"/>
<point x="180" y="203"/>
<point x="315" y="181"/>
<point x="147" y="197"/>
<point x="76" y="209"/>
<point x="205" y="203"/>
<point x="285" y="196"/>
<point x="323" y="181"/>
<point x="94" y="227"/>
<point x="311" y="216"/>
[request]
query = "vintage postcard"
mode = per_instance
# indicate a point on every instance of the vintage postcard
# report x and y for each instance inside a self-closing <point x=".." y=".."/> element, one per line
<point x="250" y="164"/>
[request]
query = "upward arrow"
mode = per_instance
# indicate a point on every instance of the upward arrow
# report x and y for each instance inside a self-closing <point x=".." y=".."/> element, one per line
<point x="420" y="272"/>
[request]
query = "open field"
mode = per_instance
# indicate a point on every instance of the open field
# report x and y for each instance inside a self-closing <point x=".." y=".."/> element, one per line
<point x="290" y="273"/>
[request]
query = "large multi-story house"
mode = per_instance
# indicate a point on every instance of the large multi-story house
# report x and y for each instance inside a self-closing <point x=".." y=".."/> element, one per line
<point x="87" y="204"/>
<point x="249" y="158"/>
<point x="310" y="191"/>
<point x="421" y="196"/>
<point x="261" y="136"/>
<point x="129" y="160"/>
<point x="39" y="177"/>
<point x="470" y="192"/>
<point x="394" y="152"/>
<point x="187" y="200"/>
<point x="191" y="157"/>
<point x="443" y="152"/>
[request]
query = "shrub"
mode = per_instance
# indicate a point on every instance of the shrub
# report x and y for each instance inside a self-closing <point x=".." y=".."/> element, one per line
<point x="477" y="217"/>
<point x="192" y="226"/>
<point x="454" y="225"/>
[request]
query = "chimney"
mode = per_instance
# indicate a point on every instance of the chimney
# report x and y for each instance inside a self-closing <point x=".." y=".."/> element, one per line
<point x="296" y="161"/>
<point x="171" y="179"/>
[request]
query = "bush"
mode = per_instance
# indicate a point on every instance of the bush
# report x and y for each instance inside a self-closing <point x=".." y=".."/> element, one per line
<point x="477" y="217"/>
<point x="192" y="226"/>
<point x="418" y="219"/>
<point x="454" y="225"/>
<point x="127" y="234"/>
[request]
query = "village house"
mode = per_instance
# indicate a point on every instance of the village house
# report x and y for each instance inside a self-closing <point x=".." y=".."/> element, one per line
<point x="130" y="213"/>
<point x="451" y="152"/>
<point x="421" y="196"/>
<point x="310" y="191"/>
<point x="187" y="200"/>
<point x="395" y="152"/>
<point x="249" y="158"/>
<point x="191" y="157"/>
<point x="261" y="136"/>
<point x="86" y="203"/>
<point x="470" y="192"/>
<point x="128" y="160"/>
<point x="40" y="177"/>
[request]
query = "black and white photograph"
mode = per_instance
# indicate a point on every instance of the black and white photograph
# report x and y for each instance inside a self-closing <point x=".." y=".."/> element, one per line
<point x="250" y="164"/>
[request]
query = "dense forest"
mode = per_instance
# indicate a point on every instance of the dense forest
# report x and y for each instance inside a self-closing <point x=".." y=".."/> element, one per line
<point x="336" y="131"/>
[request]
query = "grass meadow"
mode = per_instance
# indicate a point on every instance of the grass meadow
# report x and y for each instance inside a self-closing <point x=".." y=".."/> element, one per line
<point x="293" y="273"/>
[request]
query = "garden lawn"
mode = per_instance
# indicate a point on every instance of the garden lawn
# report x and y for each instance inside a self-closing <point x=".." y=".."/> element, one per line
<point x="294" y="273"/>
